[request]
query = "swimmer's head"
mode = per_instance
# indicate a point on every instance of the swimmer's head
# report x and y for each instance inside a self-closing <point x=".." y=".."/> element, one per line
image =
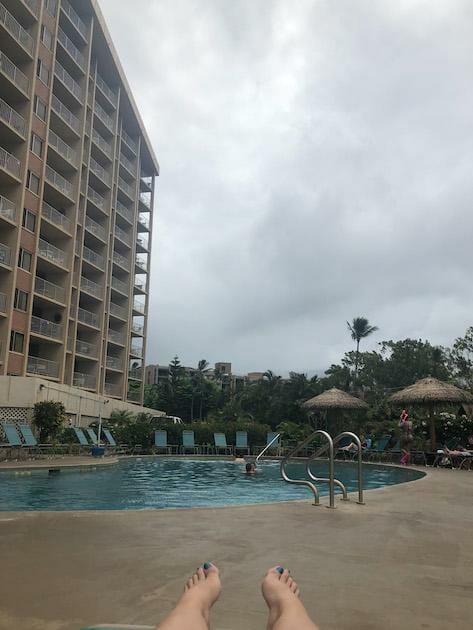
<point x="248" y="467"/>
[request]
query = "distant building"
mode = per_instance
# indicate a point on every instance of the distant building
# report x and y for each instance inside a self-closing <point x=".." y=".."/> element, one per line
<point x="221" y="374"/>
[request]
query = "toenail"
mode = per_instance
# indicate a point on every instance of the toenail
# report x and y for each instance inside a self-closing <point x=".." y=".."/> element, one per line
<point x="280" y="570"/>
<point x="207" y="565"/>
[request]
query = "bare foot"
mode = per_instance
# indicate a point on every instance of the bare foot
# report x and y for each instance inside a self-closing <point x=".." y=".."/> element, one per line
<point x="193" y="608"/>
<point x="286" y="611"/>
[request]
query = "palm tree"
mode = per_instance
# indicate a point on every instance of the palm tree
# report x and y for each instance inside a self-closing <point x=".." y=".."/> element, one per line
<point x="360" y="328"/>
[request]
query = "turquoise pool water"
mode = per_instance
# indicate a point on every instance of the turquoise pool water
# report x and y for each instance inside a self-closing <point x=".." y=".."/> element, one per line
<point x="174" y="483"/>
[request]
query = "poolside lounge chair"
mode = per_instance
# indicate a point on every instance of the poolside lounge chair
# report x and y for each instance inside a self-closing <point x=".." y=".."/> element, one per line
<point x="376" y="451"/>
<point x="12" y="435"/>
<point x="30" y="441"/>
<point x="83" y="441"/>
<point x="109" y="437"/>
<point x="161" y="441"/>
<point x="242" y="442"/>
<point x="220" y="440"/>
<point x="188" y="442"/>
<point x="92" y="436"/>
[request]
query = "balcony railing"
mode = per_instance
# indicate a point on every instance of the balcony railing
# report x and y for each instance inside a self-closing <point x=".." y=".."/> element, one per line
<point x="103" y="116"/>
<point x="33" y="5"/>
<point x="68" y="81"/>
<point x="109" y="93"/>
<point x="62" y="148"/>
<point x="50" y="290"/>
<point x="113" y="389"/>
<point x="96" y="199"/>
<point x="7" y="209"/>
<point x="71" y="48"/>
<point x="99" y="171"/>
<point x="118" y="311"/>
<point x="54" y="216"/>
<point x="114" y="363"/>
<point x="136" y="351"/>
<point x="44" y="367"/>
<point x="147" y="181"/>
<point x="129" y="141"/>
<point x="124" y="212"/>
<point x="59" y="182"/>
<point x="46" y="328"/>
<point x="12" y="118"/>
<point x="134" y="395"/>
<point x="74" y="18"/>
<point x="138" y="329"/>
<point x="143" y="220"/>
<point x="63" y="112"/>
<point x="5" y="255"/>
<point x="86" y="317"/>
<point x="103" y="144"/>
<point x="121" y="260"/>
<point x="119" y="285"/>
<point x="86" y="381"/>
<point x="145" y="199"/>
<point x="86" y="348"/>
<point x="16" y="30"/>
<point x="116" y="337"/>
<point x="140" y="285"/>
<point x="52" y="253"/>
<point x="92" y="257"/>
<point x="3" y="303"/>
<point x="129" y="190"/>
<point x="128" y="164"/>
<point x="142" y="241"/>
<point x="139" y="307"/>
<point x="10" y="163"/>
<point x="142" y="264"/>
<point x="14" y="74"/>
<point x="122" y="235"/>
<point x="95" y="228"/>
<point x="89" y="286"/>
<point x="135" y="373"/>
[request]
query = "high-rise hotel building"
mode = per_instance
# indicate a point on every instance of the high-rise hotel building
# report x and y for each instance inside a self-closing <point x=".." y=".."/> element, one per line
<point x="77" y="177"/>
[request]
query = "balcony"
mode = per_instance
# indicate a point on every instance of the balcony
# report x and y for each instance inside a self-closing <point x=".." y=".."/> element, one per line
<point x="86" y="381"/>
<point x="116" y="337"/>
<point x="46" y="328"/>
<point x="65" y="114"/>
<point x="124" y="212"/>
<point x="118" y="311"/>
<point x="142" y="265"/>
<point x="51" y="253"/>
<point x="143" y="223"/>
<point x="134" y="395"/>
<point x="14" y="74"/>
<point x="135" y="373"/>
<point x="101" y="143"/>
<point x="136" y="351"/>
<point x="7" y="209"/>
<point x="71" y="48"/>
<point x="74" y="19"/>
<point x="131" y="144"/>
<point x="59" y="182"/>
<point x="43" y="367"/>
<point x="145" y="199"/>
<point x="100" y="172"/>
<point x="5" y="255"/>
<point x="96" y="199"/>
<point x="49" y="290"/>
<point x="113" y="363"/>
<point x="123" y="236"/>
<point x="127" y="189"/>
<point x="139" y="286"/>
<point x="110" y="94"/>
<point x="10" y="163"/>
<point x="3" y="303"/>
<point x="113" y="389"/>
<point x="138" y="329"/>
<point x="103" y="116"/>
<point x="55" y="217"/>
<point x="139" y="307"/>
<point x="96" y="229"/>
<point x="68" y="81"/>
<point x="120" y="286"/>
<point x="147" y="182"/>
<point x="10" y="117"/>
<point x="121" y="260"/>
<point x="128" y="164"/>
<point x="86" y="349"/>
<point x="91" y="287"/>
<point x="33" y="6"/>
<point x="86" y="317"/>
<point x="62" y="148"/>
<point x="93" y="258"/>
<point x="142" y="242"/>
<point x="15" y="29"/>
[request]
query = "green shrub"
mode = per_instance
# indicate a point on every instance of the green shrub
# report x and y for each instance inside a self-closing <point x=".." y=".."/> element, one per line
<point x="48" y="418"/>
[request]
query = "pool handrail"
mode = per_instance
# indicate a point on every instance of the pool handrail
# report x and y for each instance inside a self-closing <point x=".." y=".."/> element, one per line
<point x="268" y="446"/>
<point x="299" y="482"/>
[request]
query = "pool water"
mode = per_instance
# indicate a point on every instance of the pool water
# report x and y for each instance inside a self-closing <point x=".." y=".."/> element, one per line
<point x="175" y="483"/>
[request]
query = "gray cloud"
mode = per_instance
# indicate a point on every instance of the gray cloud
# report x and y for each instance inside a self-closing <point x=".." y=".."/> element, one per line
<point x="316" y="165"/>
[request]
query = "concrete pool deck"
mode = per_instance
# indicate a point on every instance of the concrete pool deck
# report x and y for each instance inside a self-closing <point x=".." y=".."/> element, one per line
<point x="404" y="560"/>
<point x="57" y="463"/>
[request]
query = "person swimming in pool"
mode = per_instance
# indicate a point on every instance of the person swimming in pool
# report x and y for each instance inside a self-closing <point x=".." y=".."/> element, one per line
<point x="250" y="469"/>
<point x="280" y="591"/>
<point x="239" y="460"/>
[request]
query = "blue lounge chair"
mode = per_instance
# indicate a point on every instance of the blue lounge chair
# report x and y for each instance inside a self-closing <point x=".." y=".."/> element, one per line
<point x="377" y="450"/>
<point x="188" y="442"/>
<point x="161" y="441"/>
<point x="12" y="435"/>
<point x="92" y="436"/>
<point x="30" y="441"/>
<point x="276" y="445"/>
<point x="109" y="437"/>
<point x="242" y="442"/>
<point x="80" y="436"/>
<point x="220" y="440"/>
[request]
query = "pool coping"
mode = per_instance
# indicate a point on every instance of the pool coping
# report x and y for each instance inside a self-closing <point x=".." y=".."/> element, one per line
<point x="56" y="464"/>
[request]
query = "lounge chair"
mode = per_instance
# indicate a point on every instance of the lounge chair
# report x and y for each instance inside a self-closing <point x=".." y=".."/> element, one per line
<point x="83" y="441"/>
<point x="161" y="442"/>
<point x="220" y="440"/>
<point x="13" y="440"/>
<point x="377" y="450"/>
<point x="391" y="453"/>
<point x="242" y="442"/>
<point x="30" y="440"/>
<point x="109" y="437"/>
<point x="92" y="436"/>
<point x="188" y="442"/>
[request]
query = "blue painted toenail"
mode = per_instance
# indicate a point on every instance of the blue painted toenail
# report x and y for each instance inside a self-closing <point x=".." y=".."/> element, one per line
<point x="280" y="570"/>
<point x="207" y="565"/>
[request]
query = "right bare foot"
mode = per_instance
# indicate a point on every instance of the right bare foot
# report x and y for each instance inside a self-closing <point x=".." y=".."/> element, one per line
<point x="286" y="611"/>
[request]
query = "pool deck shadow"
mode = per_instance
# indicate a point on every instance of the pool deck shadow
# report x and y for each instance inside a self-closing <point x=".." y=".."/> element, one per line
<point x="403" y="560"/>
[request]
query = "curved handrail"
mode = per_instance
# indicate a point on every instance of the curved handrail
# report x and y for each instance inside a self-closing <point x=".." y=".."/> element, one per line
<point x="360" y="461"/>
<point x="266" y="447"/>
<point x="299" y="482"/>
<point x="337" y="482"/>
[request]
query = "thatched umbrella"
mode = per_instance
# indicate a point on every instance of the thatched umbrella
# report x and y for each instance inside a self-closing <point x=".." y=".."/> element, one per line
<point x="334" y="399"/>
<point x="431" y="392"/>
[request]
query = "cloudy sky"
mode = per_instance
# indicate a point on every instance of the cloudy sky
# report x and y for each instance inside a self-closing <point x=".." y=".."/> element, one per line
<point x="316" y="165"/>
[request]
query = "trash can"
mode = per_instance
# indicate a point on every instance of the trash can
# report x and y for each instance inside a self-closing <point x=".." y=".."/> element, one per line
<point x="97" y="451"/>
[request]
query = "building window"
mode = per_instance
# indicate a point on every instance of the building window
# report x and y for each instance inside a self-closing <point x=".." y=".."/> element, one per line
<point x="24" y="259"/>
<point x="42" y="72"/>
<point x="37" y="145"/>
<point x="46" y="37"/>
<point x="29" y="220"/>
<point x="17" y="341"/>
<point x="32" y="182"/>
<point x="40" y="108"/>
<point x="51" y="7"/>
<point x="21" y="300"/>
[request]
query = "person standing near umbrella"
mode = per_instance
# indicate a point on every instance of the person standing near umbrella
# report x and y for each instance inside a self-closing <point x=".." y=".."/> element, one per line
<point x="406" y="437"/>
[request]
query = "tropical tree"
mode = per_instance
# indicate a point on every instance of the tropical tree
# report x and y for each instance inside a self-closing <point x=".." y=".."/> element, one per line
<point x="359" y="329"/>
<point x="48" y="418"/>
<point x="202" y="369"/>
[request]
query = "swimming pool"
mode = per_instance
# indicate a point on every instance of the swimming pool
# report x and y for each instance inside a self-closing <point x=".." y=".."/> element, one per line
<point x="162" y="483"/>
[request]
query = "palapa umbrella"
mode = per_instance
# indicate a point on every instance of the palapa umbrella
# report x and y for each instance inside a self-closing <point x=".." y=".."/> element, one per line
<point x="431" y="392"/>
<point x="334" y="399"/>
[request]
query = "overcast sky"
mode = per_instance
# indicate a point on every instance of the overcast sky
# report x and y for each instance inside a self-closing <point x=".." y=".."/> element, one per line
<point x="316" y="165"/>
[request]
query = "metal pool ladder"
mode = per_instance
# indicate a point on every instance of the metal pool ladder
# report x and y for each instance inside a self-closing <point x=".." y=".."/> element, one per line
<point x="329" y="446"/>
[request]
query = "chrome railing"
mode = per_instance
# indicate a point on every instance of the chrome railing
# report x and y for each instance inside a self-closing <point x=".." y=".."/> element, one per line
<point x="86" y="348"/>
<point x="46" y="328"/>
<point x="46" y="250"/>
<point x="50" y="290"/>
<point x="136" y="351"/>
<point x="99" y="171"/>
<point x="100" y="142"/>
<point x="45" y="367"/>
<point x="121" y="260"/>
<point x="74" y="18"/>
<point x="3" y="303"/>
<point x="96" y="199"/>
<point x="16" y="30"/>
<point x="122" y="235"/>
<point x="129" y="141"/>
<point x="125" y="212"/>
<point x="56" y="217"/>
<point x="84" y="380"/>
<point x="91" y="287"/>
<point x="59" y="182"/>
<point x="62" y="147"/>
<point x="139" y="307"/>
<point x="92" y="257"/>
<point x="119" y="285"/>
<point x="109" y="93"/>
<point x="128" y="164"/>
<point x="114" y="363"/>
<point x="95" y="228"/>
<point x="5" y="255"/>
<point x="118" y="311"/>
<point x="71" y="48"/>
<point x="63" y="112"/>
<point x="116" y="337"/>
<point x="68" y="81"/>
<point x="7" y="209"/>
<point x="13" y="73"/>
<point x="86" y="317"/>
<point x="12" y="118"/>
<point x="104" y="117"/>
<point x="10" y="163"/>
<point x="145" y="199"/>
<point x="129" y="190"/>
